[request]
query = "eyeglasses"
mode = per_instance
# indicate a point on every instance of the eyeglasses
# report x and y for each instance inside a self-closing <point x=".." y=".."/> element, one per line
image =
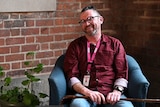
<point x="89" y="19"/>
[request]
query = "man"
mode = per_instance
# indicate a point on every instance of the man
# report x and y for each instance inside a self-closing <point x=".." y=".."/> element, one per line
<point x="96" y="65"/>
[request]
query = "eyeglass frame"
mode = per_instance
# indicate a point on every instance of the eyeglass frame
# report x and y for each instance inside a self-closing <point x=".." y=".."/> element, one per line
<point x="89" y="19"/>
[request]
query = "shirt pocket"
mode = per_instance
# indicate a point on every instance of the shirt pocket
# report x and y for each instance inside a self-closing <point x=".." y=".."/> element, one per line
<point x="102" y="68"/>
<point x="105" y="58"/>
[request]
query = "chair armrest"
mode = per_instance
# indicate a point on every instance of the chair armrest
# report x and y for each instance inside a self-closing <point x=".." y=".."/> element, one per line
<point x="57" y="83"/>
<point x="137" y="83"/>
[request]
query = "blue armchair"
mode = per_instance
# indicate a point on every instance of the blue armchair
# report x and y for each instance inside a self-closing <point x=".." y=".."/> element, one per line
<point x="137" y="86"/>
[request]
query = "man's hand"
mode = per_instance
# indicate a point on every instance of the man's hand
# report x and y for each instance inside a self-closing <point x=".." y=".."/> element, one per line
<point x="96" y="96"/>
<point x="113" y="97"/>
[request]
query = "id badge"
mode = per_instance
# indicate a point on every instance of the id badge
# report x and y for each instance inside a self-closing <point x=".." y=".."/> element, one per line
<point x="86" y="80"/>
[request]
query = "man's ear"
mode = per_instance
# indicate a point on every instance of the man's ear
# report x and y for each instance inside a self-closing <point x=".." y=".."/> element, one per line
<point x="101" y="19"/>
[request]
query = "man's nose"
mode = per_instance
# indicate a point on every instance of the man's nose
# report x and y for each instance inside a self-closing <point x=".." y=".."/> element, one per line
<point x="87" y="22"/>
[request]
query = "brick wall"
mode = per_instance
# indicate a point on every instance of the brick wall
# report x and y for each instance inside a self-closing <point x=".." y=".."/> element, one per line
<point x="141" y="37"/>
<point x="46" y="33"/>
<point x="135" y="22"/>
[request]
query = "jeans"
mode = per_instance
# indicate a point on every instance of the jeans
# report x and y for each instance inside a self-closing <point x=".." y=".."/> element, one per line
<point x="81" y="102"/>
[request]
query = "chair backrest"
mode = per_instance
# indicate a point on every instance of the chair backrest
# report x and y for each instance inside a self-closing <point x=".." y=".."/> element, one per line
<point x="57" y="82"/>
<point x="137" y="83"/>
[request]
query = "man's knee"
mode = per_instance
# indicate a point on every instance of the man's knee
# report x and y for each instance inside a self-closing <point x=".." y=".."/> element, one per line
<point x="79" y="102"/>
<point x="123" y="104"/>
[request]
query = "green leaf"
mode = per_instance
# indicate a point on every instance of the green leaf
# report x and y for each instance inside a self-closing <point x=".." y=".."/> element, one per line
<point x="1" y="73"/>
<point x="35" y="101"/>
<point x="27" y="99"/>
<point x="13" y="99"/>
<point x="30" y="53"/>
<point x="30" y="100"/>
<point x="7" y="81"/>
<point x="35" y="79"/>
<point x="30" y="76"/>
<point x="38" y="69"/>
<point x="26" y="82"/>
<point x="25" y="91"/>
<point x="26" y="63"/>
<point x="1" y="69"/>
<point x="42" y="95"/>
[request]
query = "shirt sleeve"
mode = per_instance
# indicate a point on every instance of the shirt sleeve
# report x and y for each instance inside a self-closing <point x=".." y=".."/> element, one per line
<point x="121" y="65"/>
<point x="73" y="81"/>
<point x="71" y="62"/>
<point x="121" y="82"/>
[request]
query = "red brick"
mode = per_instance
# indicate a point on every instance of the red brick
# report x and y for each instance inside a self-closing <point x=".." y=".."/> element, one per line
<point x="16" y="65"/>
<point x="74" y="29"/>
<point x="4" y="50"/>
<point x="45" y="54"/>
<point x="58" y="37"/>
<point x="29" y="23"/>
<point x="4" y="33"/>
<point x="67" y="6"/>
<point x="61" y="14"/>
<point x="14" y="23"/>
<point x="1" y="24"/>
<point x="71" y="21"/>
<point x="29" y="15"/>
<point x="30" y="39"/>
<point x="58" y="53"/>
<point x="58" y="45"/>
<point x="52" y="61"/>
<point x="42" y="39"/>
<point x="14" y="57"/>
<point x="1" y="58"/>
<point x="44" y="22"/>
<point x="31" y="47"/>
<point x="5" y="66"/>
<point x="15" y="32"/>
<point x="15" y="49"/>
<point x="45" y="61"/>
<point x="59" y="21"/>
<point x="44" y="46"/>
<point x="18" y="40"/>
<point x="57" y="30"/>
<point x="70" y="36"/>
<point x="30" y="31"/>
<point x="44" y="31"/>
<point x="1" y="41"/>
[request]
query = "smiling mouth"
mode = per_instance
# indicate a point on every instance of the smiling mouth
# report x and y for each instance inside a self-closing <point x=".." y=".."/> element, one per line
<point x="89" y="27"/>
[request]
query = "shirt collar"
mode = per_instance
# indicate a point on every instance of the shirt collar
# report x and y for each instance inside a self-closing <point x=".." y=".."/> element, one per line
<point x="104" y="38"/>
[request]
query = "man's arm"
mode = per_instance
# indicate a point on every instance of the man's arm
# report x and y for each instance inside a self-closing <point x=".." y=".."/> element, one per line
<point x="79" y="88"/>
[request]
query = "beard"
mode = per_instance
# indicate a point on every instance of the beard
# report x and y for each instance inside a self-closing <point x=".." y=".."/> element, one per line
<point x="90" y="30"/>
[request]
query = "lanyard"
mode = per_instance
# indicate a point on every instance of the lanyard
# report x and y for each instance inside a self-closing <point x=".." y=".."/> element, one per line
<point x="90" y="57"/>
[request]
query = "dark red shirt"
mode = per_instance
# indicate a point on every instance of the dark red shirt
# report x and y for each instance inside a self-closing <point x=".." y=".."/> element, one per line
<point x="109" y="64"/>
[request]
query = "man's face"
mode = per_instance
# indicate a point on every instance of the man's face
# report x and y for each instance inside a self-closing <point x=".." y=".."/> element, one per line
<point x="91" y="22"/>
